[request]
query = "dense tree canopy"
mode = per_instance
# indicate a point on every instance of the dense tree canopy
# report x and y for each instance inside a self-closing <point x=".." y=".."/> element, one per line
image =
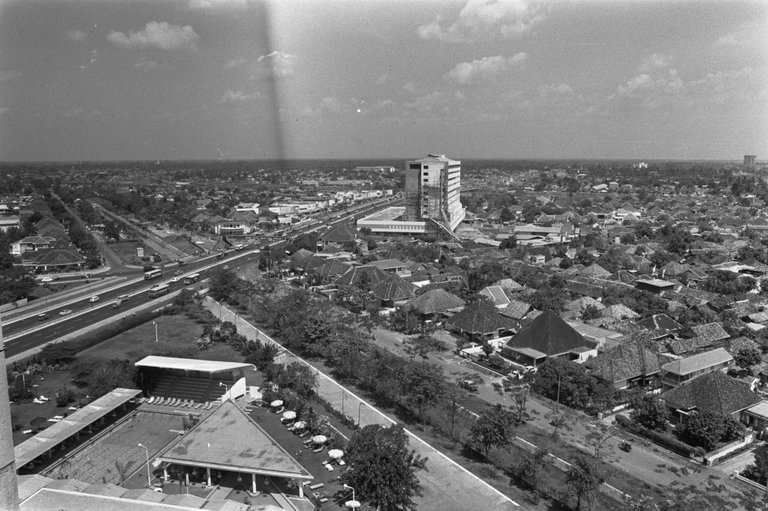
<point x="383" y="470"/>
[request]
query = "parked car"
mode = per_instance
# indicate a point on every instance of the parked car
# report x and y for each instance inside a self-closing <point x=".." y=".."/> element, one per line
<point x="175" y="279"/>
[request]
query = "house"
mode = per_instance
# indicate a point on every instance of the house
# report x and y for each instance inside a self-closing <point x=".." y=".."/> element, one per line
<point x="435" y="301"/>
<point x="8" y="222"/>
<point x="480" y="321"/>
<point x="340" y="235"/>
<point x="497" y="295"/>
<point x="393" y="291"/>
<point x="247" y="206"/>
<point x="516" y="309"/>
<point x="686" y="369"/>
<point x="714" y="393"/>
<point x="548" y="336"/>
<point x="661" y="325"/>
<point x="656" y="286"/>
<point x="392" y="266"/>
<point x="626" y="366"/>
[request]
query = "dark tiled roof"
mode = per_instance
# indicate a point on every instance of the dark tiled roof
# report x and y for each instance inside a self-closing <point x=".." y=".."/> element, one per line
<point x="393" y="289"/>
<point x="481" y="317"/>
<point x="333" y="268"/>
<point x="549" y="334"/>
<point x="711" y="331"/>
<point x="516" y="309"/>
<point x="624" y="362"/>
<point x="436" y="300"/>
<point x="342" y="233"/>
<point x="353" y="275"/>
<point x="660" y="323"/>
<point x="714" y="393"/>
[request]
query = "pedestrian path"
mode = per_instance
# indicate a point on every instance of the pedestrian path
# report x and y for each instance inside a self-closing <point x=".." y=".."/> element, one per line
<point x="447" y="485"/>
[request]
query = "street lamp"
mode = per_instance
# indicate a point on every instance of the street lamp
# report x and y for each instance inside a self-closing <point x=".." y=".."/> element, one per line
<point x="155" y="323"/>
<point x="149" y="475"/>
<point x="354" y="503"/>
<point x="343" y="397"/>
<point x="359" y="406"/>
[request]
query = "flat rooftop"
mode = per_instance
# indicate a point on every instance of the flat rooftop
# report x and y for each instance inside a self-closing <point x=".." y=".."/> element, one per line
<point x="190" y="364"/>
<point x="390" y="214"/>
<point x="67" y="427"/>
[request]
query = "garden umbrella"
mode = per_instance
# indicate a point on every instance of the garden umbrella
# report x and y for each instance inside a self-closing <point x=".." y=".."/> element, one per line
<point x="319" y="439"/>
<point x="300" y="425"/>
<point x="335" y="454"/>
<point x="289" y="415"/>
<point x="276" y="403"/>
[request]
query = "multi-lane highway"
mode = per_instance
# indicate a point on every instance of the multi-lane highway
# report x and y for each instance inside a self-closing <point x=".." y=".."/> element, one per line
<point x="84" y="312"/>
<point x="70" y="315"/>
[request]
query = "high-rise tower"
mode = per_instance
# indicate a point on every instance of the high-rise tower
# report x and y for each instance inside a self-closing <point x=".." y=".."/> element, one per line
<point x="432" y="189"/>
<point x="9" y="489"/>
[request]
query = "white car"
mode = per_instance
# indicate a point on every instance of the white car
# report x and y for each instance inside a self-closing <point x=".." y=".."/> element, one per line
<point x="175" y="279"/>
<point x="65" y="312"/>
<point x="48" y="279"/>
<point x="94" y="299"/>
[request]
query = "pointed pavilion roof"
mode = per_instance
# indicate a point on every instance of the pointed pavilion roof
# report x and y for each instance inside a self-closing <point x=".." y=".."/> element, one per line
<point x="394" y="289"/>
<point x="228" y="439"/>
<point x="549" y="334"/>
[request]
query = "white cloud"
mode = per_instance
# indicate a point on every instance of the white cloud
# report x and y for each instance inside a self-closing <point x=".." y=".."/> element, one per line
<point x="4" y="110"/>
<point x="9" y="75"/>
<point x="75" y="35"/>
<point x="753" y="34"/>
<point x="276" y="64"/>
<point x="467" y="73"/>
<point x="74" y="112"/>
<point x="235" y="64"/>
<point x="655" y="61"/>
<point x="381" y="79"/>
<point x="410" y="88"/>
<point x="158" y="35"/>
<point x="238" y="96"/>
<point x="485" y="19"/>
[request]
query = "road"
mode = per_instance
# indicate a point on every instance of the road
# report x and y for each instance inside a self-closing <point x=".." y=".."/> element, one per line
<point x="29" y="332"/>
<point x="447" y="485"/>
<point x="651" y="464"/>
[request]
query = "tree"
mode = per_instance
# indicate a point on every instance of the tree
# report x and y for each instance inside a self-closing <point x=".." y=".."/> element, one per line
<point x="382" y="469"/>
<point x="508" y="243"/>
<point x="590" y="312"/>
<point x="298" y="377"/>
<point x="706" y="430"/>
<point x="598" y="437"/>
<point x="492" y="429"/>
<point x="747" y="357"/>
<point x="424" y="385"/>
<point x="650" y="413"/>
<point x="112" y="230"/>
<point x="584" y="480"/>
<point x="527" y="472"/>
<point x="761" y="462"/>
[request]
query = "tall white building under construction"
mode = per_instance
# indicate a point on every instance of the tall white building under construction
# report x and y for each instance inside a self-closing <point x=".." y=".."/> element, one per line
<point x="432" y="200"/>
<point x="432" y="188"/>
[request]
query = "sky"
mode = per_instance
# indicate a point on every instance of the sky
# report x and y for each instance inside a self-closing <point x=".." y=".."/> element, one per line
<point x="240" y="79"/>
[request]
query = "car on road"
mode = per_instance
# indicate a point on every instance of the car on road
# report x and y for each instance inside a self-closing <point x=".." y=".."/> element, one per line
<point x="48" y="279"/>
<point x="116" y="304"/>
<point x="94" y="299"/>
<point x="42" y="316"/>
<point x="175" y="279"/>
<point x="65" y="312"/>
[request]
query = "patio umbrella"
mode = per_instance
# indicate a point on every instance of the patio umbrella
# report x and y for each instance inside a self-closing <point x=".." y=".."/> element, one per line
<point x="300" y="425"/>
<point x="319" y="439"/>
<point x="335" y="454"/>
<point x="276" y="403"/>
<point x="289" y="415"/>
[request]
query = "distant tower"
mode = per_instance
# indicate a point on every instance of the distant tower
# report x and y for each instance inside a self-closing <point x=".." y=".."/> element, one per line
<point x="9" y="490"/>
<point x="432" y="191"/>
<point x="749" y="160"/>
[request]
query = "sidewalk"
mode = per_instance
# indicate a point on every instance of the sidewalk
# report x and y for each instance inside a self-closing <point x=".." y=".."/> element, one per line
<point x="447" y="485"/>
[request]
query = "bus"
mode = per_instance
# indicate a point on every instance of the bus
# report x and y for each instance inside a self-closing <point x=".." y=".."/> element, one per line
<point x="191" y="279"/>
<point x="153" y="274"/>
<point x="159" y="290"/>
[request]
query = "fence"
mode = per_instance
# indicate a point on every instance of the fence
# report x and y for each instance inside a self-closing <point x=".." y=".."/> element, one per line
<point x="711" y="458"/>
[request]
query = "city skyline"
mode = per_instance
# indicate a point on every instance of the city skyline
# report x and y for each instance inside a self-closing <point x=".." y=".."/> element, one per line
<point x="234" y="79"/>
